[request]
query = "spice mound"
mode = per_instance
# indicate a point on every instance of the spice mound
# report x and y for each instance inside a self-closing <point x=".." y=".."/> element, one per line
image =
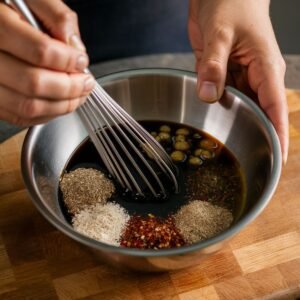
<point x="82" y="188"/>
<point x="104" y="223"/>
<point x="200" y="220"/>
<point x="151" y="232"/>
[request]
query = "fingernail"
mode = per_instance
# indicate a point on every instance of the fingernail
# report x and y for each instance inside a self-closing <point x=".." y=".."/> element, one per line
<point x="89" y="84"/>
<point x="76" y="42"/>
<point x="82" y="63"/>
<point x="208" y="91"/>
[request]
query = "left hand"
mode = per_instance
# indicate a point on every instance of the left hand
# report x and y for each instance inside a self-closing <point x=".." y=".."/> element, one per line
<point x="237" y="36"/>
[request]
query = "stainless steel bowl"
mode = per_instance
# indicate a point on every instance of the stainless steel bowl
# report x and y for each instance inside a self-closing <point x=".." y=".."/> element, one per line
<point x="159" y="94"/>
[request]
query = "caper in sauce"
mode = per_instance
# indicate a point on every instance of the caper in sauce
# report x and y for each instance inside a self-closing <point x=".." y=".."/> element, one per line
<point x="180" y="138"/>
<point x="183" y="146"/>
<point x="164" y="136"/>
<point x="206" y="154"/>
<point x="196" y="136"/>
<point x="208" y="144"/>
<point x="165" y="128"/>
<point x="195" y="161"/>
<point x="182" y="131"/>
<point x="178" y="156"/>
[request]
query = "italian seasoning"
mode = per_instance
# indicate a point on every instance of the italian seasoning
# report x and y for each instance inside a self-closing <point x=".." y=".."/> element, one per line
<point x="83" y="187"/>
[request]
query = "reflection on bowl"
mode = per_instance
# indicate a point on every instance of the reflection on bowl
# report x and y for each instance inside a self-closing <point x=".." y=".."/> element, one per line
<point x="169" y="95"/>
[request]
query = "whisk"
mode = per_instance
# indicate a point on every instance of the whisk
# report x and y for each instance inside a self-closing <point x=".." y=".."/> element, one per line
<point x="121" y="142"/>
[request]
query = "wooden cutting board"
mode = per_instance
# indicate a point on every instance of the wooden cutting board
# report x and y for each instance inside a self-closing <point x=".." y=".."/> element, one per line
<point x="38" y="262"/>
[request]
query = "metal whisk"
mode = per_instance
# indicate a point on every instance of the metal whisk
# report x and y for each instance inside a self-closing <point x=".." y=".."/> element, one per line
<point x="119" y="139"/>
<point x="120" y="143"/>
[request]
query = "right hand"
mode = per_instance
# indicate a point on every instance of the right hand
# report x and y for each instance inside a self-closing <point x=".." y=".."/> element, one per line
<point x="41" y="76"/>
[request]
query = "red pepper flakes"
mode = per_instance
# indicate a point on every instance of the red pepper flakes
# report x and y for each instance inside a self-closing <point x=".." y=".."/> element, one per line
<point x="151" y="232"/>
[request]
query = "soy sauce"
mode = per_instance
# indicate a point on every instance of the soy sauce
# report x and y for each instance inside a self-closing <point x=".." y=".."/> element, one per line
<point x="218" y="180"/>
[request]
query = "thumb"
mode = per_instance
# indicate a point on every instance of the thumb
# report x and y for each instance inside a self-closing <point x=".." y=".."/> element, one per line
<point x="212" y="68"/>
<point x="59" y="20"/>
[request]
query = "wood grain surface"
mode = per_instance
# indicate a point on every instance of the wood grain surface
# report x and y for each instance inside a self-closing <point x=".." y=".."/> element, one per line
<point x="39" y="262"/>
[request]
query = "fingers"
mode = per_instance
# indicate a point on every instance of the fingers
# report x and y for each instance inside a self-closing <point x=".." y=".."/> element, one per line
<point x="21" y="121"/>
<point x="23" y="111"/>
<point x="43" y="83"/>
<point x="41" y="76"/>
<point x="41" y="50"/>
<point x="60" y="21"/>
<point x="212" y="68"/>
<point x="272" y="97"/>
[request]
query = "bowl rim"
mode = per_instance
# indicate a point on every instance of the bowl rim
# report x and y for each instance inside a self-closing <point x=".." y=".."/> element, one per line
<point x="225" y="235"/>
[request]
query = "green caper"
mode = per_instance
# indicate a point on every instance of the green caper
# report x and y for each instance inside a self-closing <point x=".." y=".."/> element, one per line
<point x="178" y="156"/>
<point x="164" y="136"/>
<point x="208" y="144"/>
<point x="196" y="136"/>
<point x="165" y="128"/>
<point x="198" y="152"/>
<point x="180" y="138"/>
<point x="154" y="133"/>
<point x="182" y="131"/>
<point x="195" y="161"/>
<point x="183" y="146"/>
<point x="205" y="154"/>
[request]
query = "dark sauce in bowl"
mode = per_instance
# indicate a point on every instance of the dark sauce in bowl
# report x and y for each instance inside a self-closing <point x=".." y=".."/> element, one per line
<point x="217" y="179"/>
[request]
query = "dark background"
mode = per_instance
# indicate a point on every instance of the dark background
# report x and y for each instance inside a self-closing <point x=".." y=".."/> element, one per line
<point x="113" y="29"/>
<point x="120" y="28"/>
<point x="285" y="15"/>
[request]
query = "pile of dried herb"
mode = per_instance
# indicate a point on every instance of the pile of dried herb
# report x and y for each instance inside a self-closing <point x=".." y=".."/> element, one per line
<point x="83" y="188"/>
<point x="218" y="184"/>
<point x="200" y="220"/>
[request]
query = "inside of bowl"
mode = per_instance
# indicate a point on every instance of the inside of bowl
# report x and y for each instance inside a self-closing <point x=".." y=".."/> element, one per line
<point x="165" y="97"/>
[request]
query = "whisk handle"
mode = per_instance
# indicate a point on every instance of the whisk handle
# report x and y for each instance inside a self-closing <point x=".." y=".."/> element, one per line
<point x="21" y="7"/>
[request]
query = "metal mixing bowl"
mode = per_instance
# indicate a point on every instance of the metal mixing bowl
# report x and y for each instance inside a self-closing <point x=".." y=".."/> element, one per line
<point x="170" y="95"/>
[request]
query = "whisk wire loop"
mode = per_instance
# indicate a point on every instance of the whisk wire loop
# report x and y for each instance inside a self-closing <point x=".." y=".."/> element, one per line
<point x="136" y="131"/>
<point x="102" y="140"/>
<point x="100" y="109"/>
<point x="104" y="116"/>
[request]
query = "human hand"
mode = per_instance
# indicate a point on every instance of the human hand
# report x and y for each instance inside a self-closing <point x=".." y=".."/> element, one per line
<point x="237" y="36"/>
<point x="41" y="76"/>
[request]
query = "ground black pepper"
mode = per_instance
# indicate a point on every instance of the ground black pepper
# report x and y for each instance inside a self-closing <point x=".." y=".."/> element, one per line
<point x="85" y="187"/>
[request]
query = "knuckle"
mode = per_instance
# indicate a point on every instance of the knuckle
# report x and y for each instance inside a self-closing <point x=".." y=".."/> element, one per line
<point x="34" y="84"/>
<point x="72" y="105"/>
<point x="222" y="33"/>
<point x="277" y="65"/>
<point x="67" y="16"/>
<point x="30" y="108"/>
<point x="41" y="53"/>
<point x="74" y="87"/>
<point x="212" y="65"/>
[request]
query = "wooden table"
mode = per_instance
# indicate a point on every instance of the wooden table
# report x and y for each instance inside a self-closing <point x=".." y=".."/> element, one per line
<point x="39" y="262"/>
